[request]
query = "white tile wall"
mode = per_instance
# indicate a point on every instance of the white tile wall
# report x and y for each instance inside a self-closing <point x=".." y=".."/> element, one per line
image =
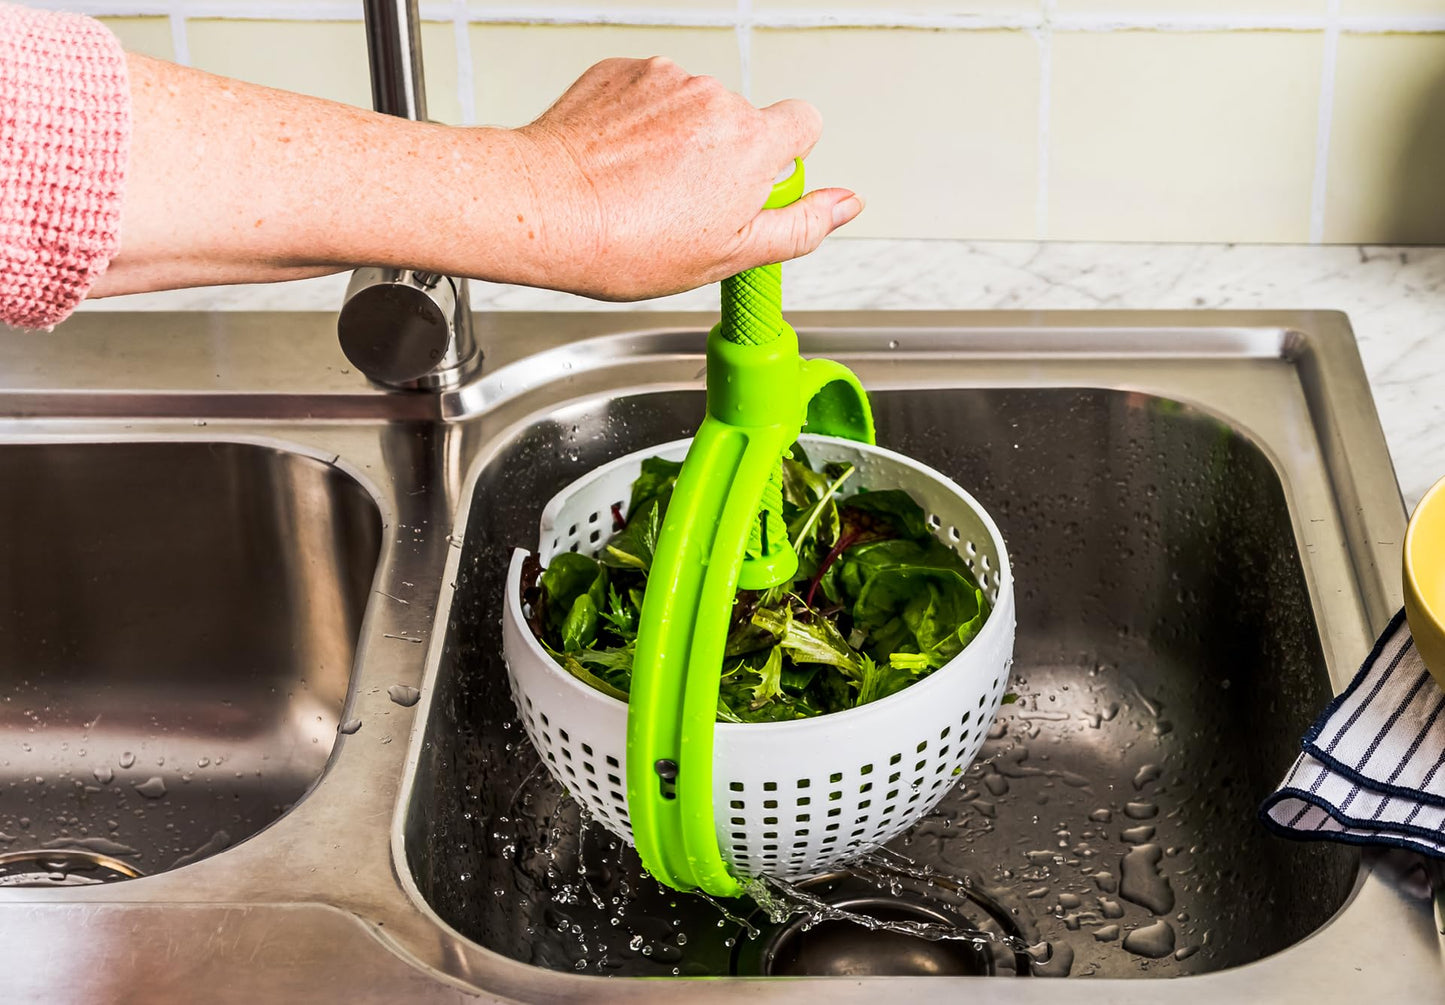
<point x="1047" y="23"/>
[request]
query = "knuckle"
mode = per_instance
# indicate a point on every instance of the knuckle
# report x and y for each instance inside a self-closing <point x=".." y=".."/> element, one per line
<point x="707" y="91"/>
<point x="706" y="83"/>
<point x="660" y="65"/>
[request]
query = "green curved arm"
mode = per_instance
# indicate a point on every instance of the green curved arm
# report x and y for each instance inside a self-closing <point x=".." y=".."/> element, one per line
<point x="723" y="529"/>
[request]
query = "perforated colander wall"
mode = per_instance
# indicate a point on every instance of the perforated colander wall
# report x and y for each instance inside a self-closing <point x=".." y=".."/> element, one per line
<point x="792" y="798"/>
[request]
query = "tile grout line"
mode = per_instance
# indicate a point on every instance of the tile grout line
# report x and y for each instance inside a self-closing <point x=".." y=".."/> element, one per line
<point x="744" y="30"/>
<point x="1319" y="187"/>
<point x="180" y="38"/>
<point x="437" y="10"/>
<point x="466" y="79"/>
<point x="1044" y="35"/>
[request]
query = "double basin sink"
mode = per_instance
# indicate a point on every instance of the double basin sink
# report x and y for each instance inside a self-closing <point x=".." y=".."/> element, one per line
<point x="258" y="738"/>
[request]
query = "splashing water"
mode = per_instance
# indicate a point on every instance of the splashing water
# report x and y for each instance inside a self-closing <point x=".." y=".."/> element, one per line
<point x="781" y="900"/>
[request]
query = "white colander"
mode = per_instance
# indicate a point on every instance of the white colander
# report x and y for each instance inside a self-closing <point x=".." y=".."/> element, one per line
<point x="791" y="799"/>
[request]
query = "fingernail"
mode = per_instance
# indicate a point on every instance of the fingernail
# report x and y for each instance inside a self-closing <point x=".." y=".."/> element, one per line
<point x="847" y="209"/>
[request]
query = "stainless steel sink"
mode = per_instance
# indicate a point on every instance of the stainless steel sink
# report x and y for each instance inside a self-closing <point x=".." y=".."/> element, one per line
<point x="177" y="627"/>
<point x="1168" y="661"/>
<point x="1205" y="526"/>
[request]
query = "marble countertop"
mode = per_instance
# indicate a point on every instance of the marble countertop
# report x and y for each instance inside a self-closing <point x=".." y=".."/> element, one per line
<point x="1395" y="298"/>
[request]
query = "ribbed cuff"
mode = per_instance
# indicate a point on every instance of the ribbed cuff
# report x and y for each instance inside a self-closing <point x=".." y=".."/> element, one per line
<point x="64" y="143"/>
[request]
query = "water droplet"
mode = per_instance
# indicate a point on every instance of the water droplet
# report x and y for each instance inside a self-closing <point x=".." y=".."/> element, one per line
<point x="1154" y="941"/>
<point x="152" y="788"/>
<point x="1141" y="810"/>
<point x="127" y="759"/>
<point x="1141" y="882"/>
<point x="349" y="726"/>
<point x="1145" y="775"/>
<point x="103" y="774"/>
<point x="403" y="694"/>
<point x="1060" y="961"/>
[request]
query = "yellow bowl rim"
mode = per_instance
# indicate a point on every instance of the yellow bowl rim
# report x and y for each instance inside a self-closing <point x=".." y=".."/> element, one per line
<point x="1412" y="582"/>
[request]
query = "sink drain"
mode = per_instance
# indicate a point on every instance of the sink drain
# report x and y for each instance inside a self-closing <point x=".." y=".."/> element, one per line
<point x="62" y="867"/>
<point x="801" y="947"/>
<point x="844" y="949"/>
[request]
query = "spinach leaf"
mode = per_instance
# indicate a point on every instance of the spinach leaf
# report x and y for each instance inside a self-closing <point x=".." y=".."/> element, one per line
<point x="797" y="679"/>
<point x="832" y="692"/>
<point x="797" y="453"/>
<point x="572" y="581"/>
<point x="579" y="628"/>
<point x="632" y="547"/>
<point x="861" y="562"/>
<point x="655" y="482"/>
<point x="891" y="506"/>
<point x="877" y="602"/>
<point x="817" y="527"/>
<point x="933" y="612"/>
<point x="802" y="486"/>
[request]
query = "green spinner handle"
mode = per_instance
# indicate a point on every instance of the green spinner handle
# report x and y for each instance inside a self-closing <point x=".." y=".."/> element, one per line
<point x="760" y="395"/>
<point x="752" y="301"/>
<point x="752" y="314"/>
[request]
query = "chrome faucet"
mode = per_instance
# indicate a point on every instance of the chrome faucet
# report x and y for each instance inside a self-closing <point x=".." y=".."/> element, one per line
<point x="401" y="327"/>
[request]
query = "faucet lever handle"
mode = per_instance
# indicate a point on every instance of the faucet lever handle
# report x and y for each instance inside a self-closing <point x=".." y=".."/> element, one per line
<point x="407" y="329"/>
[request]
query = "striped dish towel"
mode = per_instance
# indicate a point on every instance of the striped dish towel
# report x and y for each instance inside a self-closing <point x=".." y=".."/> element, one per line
<point x="1372" y="770"/>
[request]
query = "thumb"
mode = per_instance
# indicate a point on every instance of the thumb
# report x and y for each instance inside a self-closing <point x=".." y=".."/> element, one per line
<point x="776" y="235"/>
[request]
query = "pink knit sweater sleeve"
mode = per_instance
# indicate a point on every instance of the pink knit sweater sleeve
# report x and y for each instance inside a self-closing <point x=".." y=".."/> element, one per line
<point x="64" y="138"/>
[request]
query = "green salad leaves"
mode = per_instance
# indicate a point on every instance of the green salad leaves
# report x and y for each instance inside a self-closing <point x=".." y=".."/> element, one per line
<point x="877" y="603"/>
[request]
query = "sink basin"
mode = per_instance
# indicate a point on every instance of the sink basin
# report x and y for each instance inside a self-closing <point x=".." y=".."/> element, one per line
<point x="1168" y="659"/>
<point x="1206" y="533"/>
<point x="177" y="627"/>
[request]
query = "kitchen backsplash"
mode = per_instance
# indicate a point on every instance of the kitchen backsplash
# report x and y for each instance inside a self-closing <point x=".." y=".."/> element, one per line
<point x="1133" y="120"/>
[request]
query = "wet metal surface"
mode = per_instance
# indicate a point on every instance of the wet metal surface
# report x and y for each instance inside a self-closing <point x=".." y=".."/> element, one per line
<point x="177" y="627"/>
<point x="1206" y="530"/>
<point x="1167" y="662"/>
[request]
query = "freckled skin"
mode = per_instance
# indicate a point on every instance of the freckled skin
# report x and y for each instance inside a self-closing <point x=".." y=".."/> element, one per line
<point x="640" y="181"/>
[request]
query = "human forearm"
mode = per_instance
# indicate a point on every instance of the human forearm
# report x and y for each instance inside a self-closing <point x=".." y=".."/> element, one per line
<point x="232" y="182"/>
<point x="640" y="181"/>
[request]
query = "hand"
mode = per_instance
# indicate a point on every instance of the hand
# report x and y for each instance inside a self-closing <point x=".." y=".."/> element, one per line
<point x="650" y="181"/>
